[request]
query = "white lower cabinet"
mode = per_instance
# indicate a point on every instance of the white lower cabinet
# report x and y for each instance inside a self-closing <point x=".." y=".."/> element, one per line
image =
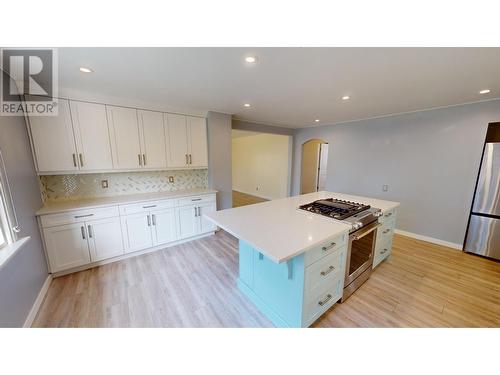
<point x="67" y="246"/>
<point x="105" y="238"/>
<point x="136" y="230"/>
<point x="80" y="237"/>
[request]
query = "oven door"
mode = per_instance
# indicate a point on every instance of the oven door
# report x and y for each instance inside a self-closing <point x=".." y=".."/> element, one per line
<point x="360" y="251"/>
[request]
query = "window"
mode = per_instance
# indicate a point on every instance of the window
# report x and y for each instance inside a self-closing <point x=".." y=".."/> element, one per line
<point x="8" y="220"/>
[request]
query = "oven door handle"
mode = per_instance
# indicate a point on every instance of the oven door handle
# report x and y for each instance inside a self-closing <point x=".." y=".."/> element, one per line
<point x="367" y="231"/>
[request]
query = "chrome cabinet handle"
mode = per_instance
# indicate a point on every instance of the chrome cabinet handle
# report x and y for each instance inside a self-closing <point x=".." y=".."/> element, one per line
<point x="74" y="161"/>
<point x="153" y="205"/>
<point x="81" y="159"/>
<point x="83" y="232"/>
<point x="149" y="221"/>
<point x="325" y="248"/>
<point x="195" y="212"/>
<point x="187" y="160"/>
<point x="80" y="216"/>
<point x="199" y="211"/>
<point x="90" y="231"/>
<point x="154" y="219"/>
<point x="140" y="160"/>
<point x="330" y="269"/>
<point x="386" y="231"/>
<point x="144" y="158"/>
<point x="190" y="159"/>
<point x="328" y="298"/>
<point x="196" y="199"/>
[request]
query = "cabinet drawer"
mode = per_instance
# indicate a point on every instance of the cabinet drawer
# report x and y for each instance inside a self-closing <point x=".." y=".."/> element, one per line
<point x="382" y="251"/>
<point x="317" y="303"/>
<point x="388" y="215"/>
<point x="325" y="249"/>
<point x="386" y="231"/>
<point x="135" y="208"/>
<point x="78" y="216"/>
<point x="196" y="200"/>
<point x="326" y="270"/>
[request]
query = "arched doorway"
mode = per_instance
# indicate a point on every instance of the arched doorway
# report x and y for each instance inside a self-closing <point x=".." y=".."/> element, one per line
<point x="313" y="166"/>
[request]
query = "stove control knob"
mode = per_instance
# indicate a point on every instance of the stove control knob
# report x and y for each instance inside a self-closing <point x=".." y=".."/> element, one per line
<point x="377" y="214"/>
<point x="357" y="225"/>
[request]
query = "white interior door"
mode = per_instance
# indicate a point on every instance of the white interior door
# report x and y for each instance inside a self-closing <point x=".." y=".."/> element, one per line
<point x="207" y="225"/>
<point x="67" y="246"/>
<point x="53" y="141"/>
<point x="105" y="238"/>
<point x="188" y="221"/>
<point x="153" y="139"/>
<point x="92" y="136"/>
<point x="125" y="140"/>
<point x="197" y="131"/>
<point x="164" y="228"/>
<point x="178" y="140"/>
<point x="136" y="231"/>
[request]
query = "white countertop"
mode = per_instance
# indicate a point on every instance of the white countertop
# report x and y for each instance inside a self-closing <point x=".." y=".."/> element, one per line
<point x="70" y="205"/>
<point x="280" y="231"/>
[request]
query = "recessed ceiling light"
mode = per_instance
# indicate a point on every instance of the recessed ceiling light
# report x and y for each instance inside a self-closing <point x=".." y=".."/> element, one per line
<point x="246" y="105"/>
<point x="485" y="91"/>
<point x="346" y="97"/>
<point x="317" y="120"/>
<point x="85" y="70"/>
<point x="251" y="59"/>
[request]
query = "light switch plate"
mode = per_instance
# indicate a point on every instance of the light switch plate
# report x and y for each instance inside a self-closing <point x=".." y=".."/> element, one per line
<point x="104" y="184"/>
<point x="385" y="187"/>
<point x="171" y="179"/>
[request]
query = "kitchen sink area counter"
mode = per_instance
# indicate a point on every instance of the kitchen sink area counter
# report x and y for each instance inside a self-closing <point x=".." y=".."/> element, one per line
<point x="293" y="264"/>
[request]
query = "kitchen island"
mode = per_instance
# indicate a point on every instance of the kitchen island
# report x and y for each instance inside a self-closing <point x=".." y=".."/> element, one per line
<point x="292" y="263"/>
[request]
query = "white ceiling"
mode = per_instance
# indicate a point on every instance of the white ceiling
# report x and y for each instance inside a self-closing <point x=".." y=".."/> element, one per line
<point x="287" y="86"/>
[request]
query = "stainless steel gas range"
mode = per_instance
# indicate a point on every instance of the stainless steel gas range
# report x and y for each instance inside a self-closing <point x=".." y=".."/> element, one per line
<point x="362" y="236"/>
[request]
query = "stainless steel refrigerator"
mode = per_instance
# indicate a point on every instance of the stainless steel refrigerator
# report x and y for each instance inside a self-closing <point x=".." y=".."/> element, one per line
<point x="483" y="235"/>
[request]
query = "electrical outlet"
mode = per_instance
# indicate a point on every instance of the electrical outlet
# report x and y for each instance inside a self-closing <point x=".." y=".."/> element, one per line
<point x="171" y="179"/>
<point x="104" y="184"/>
<point x="385" y="187"/>
<point x="257" y="188"/>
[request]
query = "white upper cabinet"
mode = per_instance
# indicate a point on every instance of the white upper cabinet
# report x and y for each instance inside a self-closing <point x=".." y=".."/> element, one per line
<point x="125" y="139"/>
<point x="197" y="134"/>
<point x="153" y="140"/>
<point x="53" y="141"/>
<point x="187" y="136"/>
<point x="91" y="135"/>
<point x="178" y="140"/>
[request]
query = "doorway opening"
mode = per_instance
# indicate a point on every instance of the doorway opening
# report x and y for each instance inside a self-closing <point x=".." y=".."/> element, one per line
<point x="261" y="166"/>
<point x="313" y="166"/>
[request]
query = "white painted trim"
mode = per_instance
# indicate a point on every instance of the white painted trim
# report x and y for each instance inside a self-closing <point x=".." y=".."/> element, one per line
<point x="436" y="241"/>
<point x="129" y="255"/>
<point x="38" y="302"/>
<point x="8" y="251"/>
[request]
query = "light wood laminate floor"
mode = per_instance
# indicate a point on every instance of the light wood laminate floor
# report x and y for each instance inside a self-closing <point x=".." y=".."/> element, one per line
<point x="242" y="199"/>
<point x="194" y="285"/>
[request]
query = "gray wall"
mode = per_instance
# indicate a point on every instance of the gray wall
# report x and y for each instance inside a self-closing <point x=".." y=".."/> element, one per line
<point x="262" y="128"/>
<point x="23" y="276"/>
<point x="219" y="157"/>
<point x="429" y="159"/>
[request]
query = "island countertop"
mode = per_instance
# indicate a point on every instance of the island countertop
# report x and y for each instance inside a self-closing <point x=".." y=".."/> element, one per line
<point x="280" y="230"/>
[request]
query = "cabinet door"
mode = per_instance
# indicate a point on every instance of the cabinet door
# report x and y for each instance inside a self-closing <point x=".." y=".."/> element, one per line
<point x="178" y="140"/>
<point x="125" y="141"/>
<point x="164" y="228"/>
<point x="66" y="246"/>
<point x="136" y="231"/>
<point x="92" y="136"/>
<point x="53" y="141"/>
<point x="105" y="238"/>
<point x="152" y="139"/>
<point x="188" y="221"/>
<point x="197" y="131"/>
<point x="206" y="225"/>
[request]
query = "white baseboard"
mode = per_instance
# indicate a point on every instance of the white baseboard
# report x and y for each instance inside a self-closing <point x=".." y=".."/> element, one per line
<point x="436" y="241"/>
<point x="38" y="302"/>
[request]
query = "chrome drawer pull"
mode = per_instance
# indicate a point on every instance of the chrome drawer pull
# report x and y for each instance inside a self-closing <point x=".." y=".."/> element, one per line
<point x="187" y="160"/>
<point x="328" y="298"/>
<point x="330" y="269"/>
<point x="81" y="160"/>
<point x="90" y="230"/>
<point x="140" y="160"/>
<point x="153" y="205"/>
<point x="80" y="216"/>
<point x="383" y="251"/>
<point x="325" y="248"/>
<point x="190" y="159"/>
<point x="83" y="232"/>
<point x="196" y="199"/>
<point x="74" y="160"/>
<point x="153" y="216"/>
<point x="149" y="221"/>
<point x="144" y="158"/>
<point x="386" y="231"/>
